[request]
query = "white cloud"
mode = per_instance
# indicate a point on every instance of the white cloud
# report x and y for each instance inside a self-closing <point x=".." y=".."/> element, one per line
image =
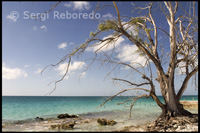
<point x="181" y="66"/>
<point x="159" y="38"/>
<point x="11" y="18"/>
<point x="13" y="73"/>
<point x="108" y="16"/>
<point x="78" y="5"/>
<point x="71" y="43"/>
<point x="62" y="45"/>
<point x="83" y="75"/>
<point x="127" y="53"/>
<point x="38" y="71"/>
<point x="35" y="28"/>
<point x="43" y="27"/>
<point x="76" y="65"/>
<point x="108" y="46"/>
<point x="131" y="29"/>
<point x="81" y="5"/>
<point x="68" y="5"/>
<point x="26" y="66"/>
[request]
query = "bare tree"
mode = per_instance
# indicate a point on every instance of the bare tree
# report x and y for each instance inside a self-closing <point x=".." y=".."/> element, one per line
<point x="183" y="53"/>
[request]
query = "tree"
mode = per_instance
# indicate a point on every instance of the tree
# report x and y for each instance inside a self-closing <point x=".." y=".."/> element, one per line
<point x="183" y="53"/>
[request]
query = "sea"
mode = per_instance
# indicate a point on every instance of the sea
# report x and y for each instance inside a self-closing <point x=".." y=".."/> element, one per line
<point x="27" y="108"/>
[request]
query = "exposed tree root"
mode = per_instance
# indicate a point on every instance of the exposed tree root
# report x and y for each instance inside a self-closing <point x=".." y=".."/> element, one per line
<point x="172" y="121"/>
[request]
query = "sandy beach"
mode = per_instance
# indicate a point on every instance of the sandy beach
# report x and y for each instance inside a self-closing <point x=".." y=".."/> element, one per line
<point x="91" y="124"/>
<point x="86" y="125"/>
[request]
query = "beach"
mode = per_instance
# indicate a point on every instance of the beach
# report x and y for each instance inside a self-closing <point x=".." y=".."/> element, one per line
<point x="19" y="114"/>
<point x="89" y="123"/>
<point x="83" y="123"/>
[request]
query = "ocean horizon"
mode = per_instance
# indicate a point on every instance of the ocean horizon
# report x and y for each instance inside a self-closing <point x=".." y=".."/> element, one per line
<point x="79" y="96"/>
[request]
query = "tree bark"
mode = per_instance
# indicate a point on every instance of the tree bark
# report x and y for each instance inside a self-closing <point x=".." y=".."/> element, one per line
<point x="172" y="106"/>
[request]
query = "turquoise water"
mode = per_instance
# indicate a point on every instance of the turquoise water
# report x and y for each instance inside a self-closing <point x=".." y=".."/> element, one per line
<point x="28" y="107"/>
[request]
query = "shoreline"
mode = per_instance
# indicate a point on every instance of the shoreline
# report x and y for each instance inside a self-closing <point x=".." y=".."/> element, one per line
<point x="83" y="124"/>
<point x="89" y="123"/>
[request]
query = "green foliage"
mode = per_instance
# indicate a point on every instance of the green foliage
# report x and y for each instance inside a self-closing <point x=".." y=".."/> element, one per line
<point x="134" y="21"/>
<point x="138" y="39"/>
<point x="91" y="34"/>
<point x="83" y="45"/>
<point x="147" y="30"/>
<point x="108" y="25"/>
<point x="147" y="45"/>
<point x="102" y="27"/>
<point x="140" y="52"/>
<point x="77" y="48"/>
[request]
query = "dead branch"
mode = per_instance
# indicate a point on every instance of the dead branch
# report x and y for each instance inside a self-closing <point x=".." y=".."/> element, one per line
<point x="110" y="98"/>
<point x="118" y="15"/>
<point x="62" y="76"/>
<point x="131" y="82"/>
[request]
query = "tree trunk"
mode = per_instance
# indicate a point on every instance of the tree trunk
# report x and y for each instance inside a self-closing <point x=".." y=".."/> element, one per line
<point x="173" y="107"/>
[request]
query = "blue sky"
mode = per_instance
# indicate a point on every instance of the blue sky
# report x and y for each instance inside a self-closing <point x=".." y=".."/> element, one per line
<point x="29" y="45"/>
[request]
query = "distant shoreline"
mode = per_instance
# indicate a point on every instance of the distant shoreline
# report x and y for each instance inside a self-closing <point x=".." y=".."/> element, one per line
<point x="189" y="104"/>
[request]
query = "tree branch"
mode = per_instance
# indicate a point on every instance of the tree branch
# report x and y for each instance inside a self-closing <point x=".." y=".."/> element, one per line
<point x="62" y="76"/>
<point x="131" y="82"/>
<point x="118" y="15"/>
<point x="185" y="82"/>
<point x="110" y="98"/>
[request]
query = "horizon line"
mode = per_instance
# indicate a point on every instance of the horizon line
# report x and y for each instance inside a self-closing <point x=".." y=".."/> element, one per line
<point x="80" y="96"/>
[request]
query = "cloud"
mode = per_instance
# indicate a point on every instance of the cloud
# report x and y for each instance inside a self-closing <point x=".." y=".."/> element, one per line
<point x="83" y="75"/>
<point x="68" y="5"/>
<point x="81" y="5"/>
<point x="159" y="38"/>
<point x="127" y="53"/>
<point x="35" y="28"/>
<point x="108" y="46"/>
<point x="78" y="5"/>
<point x="11" y="18"/>
<point x="131" y="29"/>
<point x="38" y="71"/>
<point x="26" y="66"/>
<point x="108" y="16"/>
<point x="71" y="43"/>
<point x="181" y="66"/>
<point x="43" y="27"/>
<point x="62" y="45"/>
<point x="124" y="52"/>
<point x="13" y="73"/>
<point x="76" y="65"/>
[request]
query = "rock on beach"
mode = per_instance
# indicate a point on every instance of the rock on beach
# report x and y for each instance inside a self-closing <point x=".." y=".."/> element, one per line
<point x="106" y="122"/>
<point x="62" y="116"/>
<point x="63" y="126"/>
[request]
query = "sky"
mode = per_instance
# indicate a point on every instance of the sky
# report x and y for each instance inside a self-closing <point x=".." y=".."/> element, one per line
<point x="29" y="44"/>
